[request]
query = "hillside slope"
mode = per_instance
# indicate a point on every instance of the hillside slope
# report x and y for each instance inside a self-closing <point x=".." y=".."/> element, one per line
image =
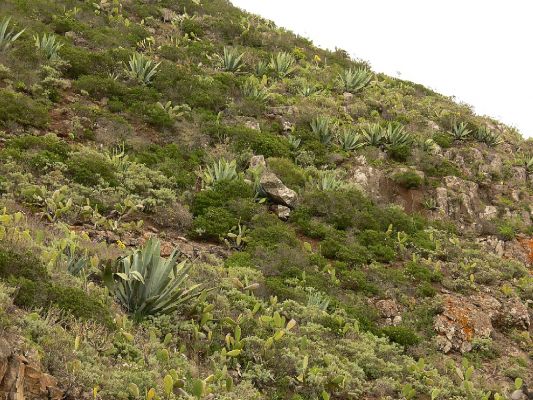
<point x="339" y="234"/>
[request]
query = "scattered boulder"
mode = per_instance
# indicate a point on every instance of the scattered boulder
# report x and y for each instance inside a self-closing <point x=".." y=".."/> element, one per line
<point x="366" y="177"/>
<point x="283" y="212"/>
<point x="277" y="191"/>
<point x="257" y="162"/>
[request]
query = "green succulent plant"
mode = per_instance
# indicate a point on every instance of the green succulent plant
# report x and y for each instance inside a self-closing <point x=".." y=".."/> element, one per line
<point x="282" y="64"/>
<point x="147" y="284"/>
<point x="353" y="80"/>
<point x="326" y="180"/>
<point x="396" y="135"/>
<point x="220" y="171"/>
<point x="49" y="45"/>
<point x="141" y="68"/>
<point x="373" y="135"/>
<point x="7" y="38"/>
<point x="255" y="89"/>
<point x="350" y="140"/>
<point x="460" y="131"/>
<point x="232" y="60"/>
<point x="321" y="126"/>
<point x="484" y="135"/>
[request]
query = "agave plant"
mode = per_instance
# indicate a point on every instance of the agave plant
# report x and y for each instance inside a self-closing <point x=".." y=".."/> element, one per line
<point x="321" y="126"/>
<point x="528" y="163"/>
<point x="353" y="80"/>
<point x="484" y="135"/>
<point x="460" y="131"/>
<point x="141" y="68"/>
<point x="232" y="60"/>
<point x="350" y="140"/>
<point x="373" y="135"/>
<point x="49" y="45"/>
<point x="326" y="180"/>
<point x="174" y="112"/>
<point x="307" y="90"/>
<point x="395" y="135"/>
<point x="261" y="68"/>
<point x="255" y="89"/>
<point x="220" y="171"/>
<point x="147" y="284"/>
<point x="282" y="64"/>
<point x="7" y="38"/>
<point x="294" y="141"/>
<point x="429" y="145"/>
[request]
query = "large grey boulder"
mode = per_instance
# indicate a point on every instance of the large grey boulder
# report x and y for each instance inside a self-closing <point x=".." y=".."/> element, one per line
<point x="277" y="191"/>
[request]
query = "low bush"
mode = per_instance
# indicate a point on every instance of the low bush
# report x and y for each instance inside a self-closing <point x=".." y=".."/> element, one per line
<point x="408" y="179"/>
<point x="89" y="168"/>
<point x="21" y="109"/>
<point x="43" y="295"/>
<point x="213" y="223"/>
<point x="402" y="335"/>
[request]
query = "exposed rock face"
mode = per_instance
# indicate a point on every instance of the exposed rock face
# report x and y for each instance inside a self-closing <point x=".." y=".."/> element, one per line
<point x="460" y="322"/>
<point x="366" y="177"/>
<point x="390" y="310"/>
<point x="514" y="314"/>
<point x="466" y="318"/>
<point x="489" y="213"/>
<point x="22" y="379"/>
<point x="277" y="191"/>
<point x="459" y="199"/>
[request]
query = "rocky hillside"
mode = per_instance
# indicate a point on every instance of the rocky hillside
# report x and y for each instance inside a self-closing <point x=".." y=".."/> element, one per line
<point x="197" y="204"/>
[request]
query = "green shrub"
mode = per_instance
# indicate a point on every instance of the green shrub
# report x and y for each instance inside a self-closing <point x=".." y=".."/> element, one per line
<point x="21" y="265"/>
<point x="408" y="179"/>
<point x="89" y="167"/>
<point x="290" y="174"/>
<point x="220" y="194"/>
<point x="269" y="232"/>
<point x="37" y="152"/>
<point x="399" y="153"/>
<point x="267" y="144"/>
<point x="21" y="109"/>
<point x="402" y="335"/>
<point x="42" y="294"/>
<point x="214" y="223"/>
<point x="86" y="62"/>
<point x="379" y="244"/>
<point x="422" y="273"/>
<point x="443" y="139"/>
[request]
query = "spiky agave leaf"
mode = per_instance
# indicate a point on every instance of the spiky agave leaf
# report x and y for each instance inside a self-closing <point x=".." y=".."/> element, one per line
<point x="141" y="68"/>
<point x="232" y="60"/>
<point x="282" y="64"/>
<point x="460" y="131"/>
<point x="396" y="135"/>
<point x="49" y="45"/>
<point x="350" y="140"/>
<point x="321" y="126"/>
<point x="219" y="171"/>
<point x="7" y="38"/>
<point x="147" y="284"/>
<point x="353" y="80"/>
<point x="373" y="135"/>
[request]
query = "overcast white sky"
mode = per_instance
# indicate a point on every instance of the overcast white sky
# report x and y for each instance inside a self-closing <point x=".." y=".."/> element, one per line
<point x="480" y="51"/>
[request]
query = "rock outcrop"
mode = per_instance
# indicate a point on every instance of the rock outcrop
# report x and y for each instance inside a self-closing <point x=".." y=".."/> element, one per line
<point x="22" y="378"/>
<point x="465" y="319"/>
